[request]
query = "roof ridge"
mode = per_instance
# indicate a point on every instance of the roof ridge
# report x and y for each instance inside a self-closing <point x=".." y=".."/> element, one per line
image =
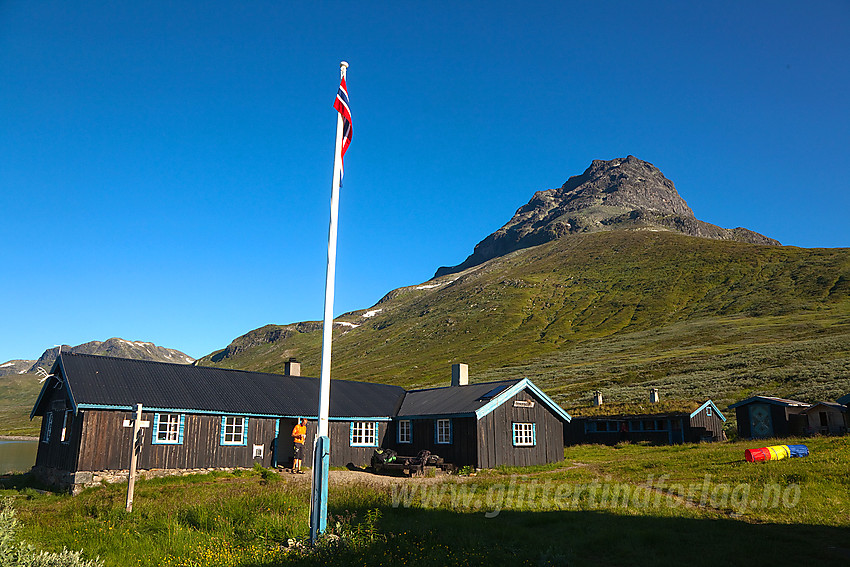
<point x="512" y="380"/>
<point x="141" y="360"/>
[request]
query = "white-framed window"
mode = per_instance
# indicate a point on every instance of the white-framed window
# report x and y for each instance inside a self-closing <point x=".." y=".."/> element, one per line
<point x="363" y="434"/>
<point x="258" y="451"/>
<point x="405" y="431"/>
<point x="234" y="430"/>
<point x="47" y="427"/>
<point x="443" y="431"/>
<point x="66" y="425"/>
<point x="708" y="411"/>
<point x="168" y="428"/>
<point x="524" y="435"/>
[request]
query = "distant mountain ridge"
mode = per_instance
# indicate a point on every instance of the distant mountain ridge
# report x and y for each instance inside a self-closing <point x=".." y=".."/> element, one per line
<point x="16" y="367"/>
<point x="619" y="194"/>
<point x="110" y="347"/>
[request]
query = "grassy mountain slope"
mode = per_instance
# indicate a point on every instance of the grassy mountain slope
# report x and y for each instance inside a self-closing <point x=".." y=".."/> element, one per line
<point x="620" y="310"/>
<point x="18" y="393"/>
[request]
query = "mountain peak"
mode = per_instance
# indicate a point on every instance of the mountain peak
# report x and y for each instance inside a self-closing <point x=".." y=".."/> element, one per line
<point x="116" y="347"/>
<point x="619" y="194"/>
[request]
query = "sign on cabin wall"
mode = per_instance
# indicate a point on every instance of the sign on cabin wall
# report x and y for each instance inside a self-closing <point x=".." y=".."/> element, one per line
<point x="523" y="404"/>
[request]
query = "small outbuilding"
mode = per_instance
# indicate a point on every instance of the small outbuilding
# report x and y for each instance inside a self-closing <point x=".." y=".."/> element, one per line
<point x="661" y="423"/>
<point x="485" y="425"/>
<point x="761" y="417"/>
<point x="826" y="418"/>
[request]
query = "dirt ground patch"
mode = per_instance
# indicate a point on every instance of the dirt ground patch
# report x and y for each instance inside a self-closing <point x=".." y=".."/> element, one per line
<point x="369" y="478"/>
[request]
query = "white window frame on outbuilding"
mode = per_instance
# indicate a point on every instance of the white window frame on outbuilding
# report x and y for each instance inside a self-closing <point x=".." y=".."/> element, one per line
<point x="405" y="431"/>
<point x="443" y="431"/>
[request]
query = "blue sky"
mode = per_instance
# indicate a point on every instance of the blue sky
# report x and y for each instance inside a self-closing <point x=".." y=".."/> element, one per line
<point x="165" y="167"/>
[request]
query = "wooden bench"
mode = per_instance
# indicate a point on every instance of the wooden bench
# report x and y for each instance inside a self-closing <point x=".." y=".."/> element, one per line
<point x="413" y="466"/>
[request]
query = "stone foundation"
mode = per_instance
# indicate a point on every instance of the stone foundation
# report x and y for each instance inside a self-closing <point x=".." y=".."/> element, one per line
<point x="76" y="482"/>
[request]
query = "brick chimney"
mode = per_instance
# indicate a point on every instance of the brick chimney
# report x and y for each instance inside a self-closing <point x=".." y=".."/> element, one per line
<point x="460" y="374"/>
<point x="597" y="398"/>
<point x="653" y="396"/>
<point x="292" y="367"/>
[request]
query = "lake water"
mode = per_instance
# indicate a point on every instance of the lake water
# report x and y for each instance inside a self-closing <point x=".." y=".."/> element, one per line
<point x="17" y="456"/>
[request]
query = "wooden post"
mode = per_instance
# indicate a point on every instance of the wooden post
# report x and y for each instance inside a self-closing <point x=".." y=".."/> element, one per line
<point x="135" y="448"/>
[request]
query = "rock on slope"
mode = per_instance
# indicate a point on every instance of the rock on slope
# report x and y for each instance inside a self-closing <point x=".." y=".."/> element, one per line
<point x="620" y="194"/>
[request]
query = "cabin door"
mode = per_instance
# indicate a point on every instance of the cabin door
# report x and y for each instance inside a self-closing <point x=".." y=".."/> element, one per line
<point x="284" y="442"/>
<point x="761" y="424"/>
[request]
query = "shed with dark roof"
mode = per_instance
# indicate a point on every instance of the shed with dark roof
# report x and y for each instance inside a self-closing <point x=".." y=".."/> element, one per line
<point x="485" y="425"/>
<point x="827" y="418"/>
<point x="761" y="417"/>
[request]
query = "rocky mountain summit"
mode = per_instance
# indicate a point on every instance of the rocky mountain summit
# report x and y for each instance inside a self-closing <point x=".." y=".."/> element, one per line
<point x="620" y="194"/>
<point x="111" y="347"/>
<point x="264" y="335"/>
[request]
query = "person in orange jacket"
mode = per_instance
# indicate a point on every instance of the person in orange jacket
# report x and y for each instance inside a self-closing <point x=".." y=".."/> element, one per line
<point x="299" y="435"/>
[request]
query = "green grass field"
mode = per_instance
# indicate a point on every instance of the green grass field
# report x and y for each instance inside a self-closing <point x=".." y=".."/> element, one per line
<point x="18" y="393"/>
<point x="624" y="505"/>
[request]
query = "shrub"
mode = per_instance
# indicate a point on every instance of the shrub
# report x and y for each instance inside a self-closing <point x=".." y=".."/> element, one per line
<point x="15" y="553"/>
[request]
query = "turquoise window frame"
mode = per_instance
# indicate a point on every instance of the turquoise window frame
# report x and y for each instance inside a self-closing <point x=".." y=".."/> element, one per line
<point x="181" y="424"/>
<point x="351" y="428"/>
<point x="514" y="433"/>
<point x="244" y="441"/>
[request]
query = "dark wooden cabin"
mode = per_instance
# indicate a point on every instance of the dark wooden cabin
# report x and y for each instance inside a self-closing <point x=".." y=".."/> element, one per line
<point x="213" y="418"/>
<point x="761" y="417"/>
<point x="661" y="423"/>
<point x="486" y="425"/>
<point x="200" y="417"/>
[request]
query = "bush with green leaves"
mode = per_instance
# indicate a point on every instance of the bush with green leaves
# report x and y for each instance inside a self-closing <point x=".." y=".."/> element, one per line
<point x="14" y="553"/>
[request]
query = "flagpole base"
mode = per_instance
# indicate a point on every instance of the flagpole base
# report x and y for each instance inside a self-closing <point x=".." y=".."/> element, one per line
<point x="319" y="497"/>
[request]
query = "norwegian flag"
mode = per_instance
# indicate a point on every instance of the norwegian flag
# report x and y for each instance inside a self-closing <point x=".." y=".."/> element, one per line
<point x="341" y="105"/>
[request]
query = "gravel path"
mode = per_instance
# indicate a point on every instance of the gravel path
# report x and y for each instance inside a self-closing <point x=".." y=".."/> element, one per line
<point x="370" y="479"/>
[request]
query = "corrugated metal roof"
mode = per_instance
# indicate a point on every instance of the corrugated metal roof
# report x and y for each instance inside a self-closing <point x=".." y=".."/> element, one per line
<point x="108" y="381"/>
<point x="451" y="400"/>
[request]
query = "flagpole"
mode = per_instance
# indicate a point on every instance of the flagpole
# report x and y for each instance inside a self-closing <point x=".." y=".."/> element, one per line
<point x="321" y="446"/>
